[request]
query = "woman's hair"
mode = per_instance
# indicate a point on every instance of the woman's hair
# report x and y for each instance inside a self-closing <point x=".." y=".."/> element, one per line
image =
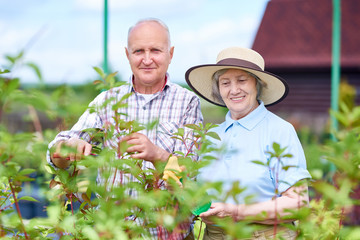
<point x="260" y="84"/>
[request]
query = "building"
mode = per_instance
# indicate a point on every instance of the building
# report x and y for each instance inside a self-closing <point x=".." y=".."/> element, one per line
<point x="295" y="39"/>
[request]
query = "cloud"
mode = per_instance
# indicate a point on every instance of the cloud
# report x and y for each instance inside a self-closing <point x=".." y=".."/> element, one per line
<point x="219" y="29"/>
<point x="69" y="66"/>
<point x="210" y="38"/>
<point x="202" y="43"/>
<point x="14" y="38"/>
<point x="133" y="4"/>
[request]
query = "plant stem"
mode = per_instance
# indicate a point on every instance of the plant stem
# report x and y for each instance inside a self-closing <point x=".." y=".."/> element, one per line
<point x="341" y="219"/>
<point x="36" y="121"/>
<point x="114" y="178"/>
<point x="71" y="204"/>
<point x="1" y="111"/>
<point x="201" y="223"/>
<point x="192" y="144"/>
<point x="5" y="199"/>
<point x="72" y="208"/>
<point x="276" y="193"/>
<point x="18" y="209"/>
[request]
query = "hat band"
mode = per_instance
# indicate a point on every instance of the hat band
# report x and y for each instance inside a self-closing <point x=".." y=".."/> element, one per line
<point x="239" y="63"/>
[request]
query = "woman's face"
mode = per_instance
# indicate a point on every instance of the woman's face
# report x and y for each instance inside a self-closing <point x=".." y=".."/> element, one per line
<point x="238" y="90"/>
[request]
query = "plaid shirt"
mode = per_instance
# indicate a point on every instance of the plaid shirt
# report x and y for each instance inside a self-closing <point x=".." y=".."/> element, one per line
<point x="173" y="107"/>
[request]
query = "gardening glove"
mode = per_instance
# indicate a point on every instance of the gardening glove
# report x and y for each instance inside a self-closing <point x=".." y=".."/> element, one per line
<point x="171" y="169"/>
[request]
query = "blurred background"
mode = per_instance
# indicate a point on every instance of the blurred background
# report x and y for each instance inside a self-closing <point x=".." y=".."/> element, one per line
<point x="65" y="38"/>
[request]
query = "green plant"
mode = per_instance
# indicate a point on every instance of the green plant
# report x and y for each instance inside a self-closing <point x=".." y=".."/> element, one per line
<point x="79" y="208"/>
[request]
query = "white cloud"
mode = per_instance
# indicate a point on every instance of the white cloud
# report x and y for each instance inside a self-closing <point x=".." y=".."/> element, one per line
<point x="12" y="39"/>
<point x="223" y="29"/>
<point x="2" y="25"/>
<point x="128" y="4"/>
<point x="210" y="38"/>
<point x="202" y="43"/>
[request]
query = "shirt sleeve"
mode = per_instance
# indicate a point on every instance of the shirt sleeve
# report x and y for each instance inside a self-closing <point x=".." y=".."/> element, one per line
<point x="291" y="169"/>
<point x="192" y="115"/>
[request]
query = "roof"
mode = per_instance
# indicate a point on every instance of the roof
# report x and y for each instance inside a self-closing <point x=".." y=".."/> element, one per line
<point x="298" y="34"/>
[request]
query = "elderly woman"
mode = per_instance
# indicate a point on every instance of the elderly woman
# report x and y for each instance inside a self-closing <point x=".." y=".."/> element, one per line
<point x="239" y="82"/>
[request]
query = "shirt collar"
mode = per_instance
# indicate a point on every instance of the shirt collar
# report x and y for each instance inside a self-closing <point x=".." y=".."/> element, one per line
<point x="249" y="121"/>
<point x="167" y="82"/>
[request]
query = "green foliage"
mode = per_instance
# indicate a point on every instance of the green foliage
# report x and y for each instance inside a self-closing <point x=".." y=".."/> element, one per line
<point x="105" y="211"/>
<point x="113" y="207"/>
<point x="106" y="82"/>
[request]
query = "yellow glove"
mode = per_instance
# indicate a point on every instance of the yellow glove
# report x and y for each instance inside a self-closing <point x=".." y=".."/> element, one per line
<point x="172" y="167"/>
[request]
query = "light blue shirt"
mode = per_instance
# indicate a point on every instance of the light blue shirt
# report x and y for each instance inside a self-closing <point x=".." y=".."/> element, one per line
<point x="248" y="139"/>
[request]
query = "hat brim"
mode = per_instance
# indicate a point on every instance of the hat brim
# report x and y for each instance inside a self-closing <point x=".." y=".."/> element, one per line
<point x="199" y="78"/>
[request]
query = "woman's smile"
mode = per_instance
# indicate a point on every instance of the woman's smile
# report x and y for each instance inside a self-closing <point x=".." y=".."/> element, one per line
<point x="238" y="91"/>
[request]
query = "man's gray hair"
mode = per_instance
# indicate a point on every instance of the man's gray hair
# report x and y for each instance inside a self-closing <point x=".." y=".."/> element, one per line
<point x="260" y="84"/>
<point x="155" y="20"/>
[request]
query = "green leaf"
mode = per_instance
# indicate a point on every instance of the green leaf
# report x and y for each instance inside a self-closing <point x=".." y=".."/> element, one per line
<point x="23" y="178"/>
<point x="4" y="71"/>
<point x="90" y="233"/>
<point x="100" y="72"/>
<point x="152" y="125"/>
<point x="4" y="157"/>
<point x="193" y="126"/>
<point x="12" y="85"/>
<point x="14" y="59"/>
<point x="259" y="162"/>
<point x="213" y="135"/>
<point x="287" y="155"/>
<point x="28" y="198"/>
<point x="180" y="132"/>
<point x="27" y="171"/>
<point x="110" y="76"/>
<point x="98" y="82"/>
<point x="49" y="169"/>
<point x="36" y="70"/>
<point x="289" y="166"/>
<point x="125" y="96"/>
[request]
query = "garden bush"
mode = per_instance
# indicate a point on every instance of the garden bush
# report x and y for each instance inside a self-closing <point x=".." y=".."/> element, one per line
<point x="78" y="208"/>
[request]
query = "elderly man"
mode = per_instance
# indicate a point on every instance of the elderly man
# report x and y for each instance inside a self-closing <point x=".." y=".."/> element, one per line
<point x="153" y="97"/>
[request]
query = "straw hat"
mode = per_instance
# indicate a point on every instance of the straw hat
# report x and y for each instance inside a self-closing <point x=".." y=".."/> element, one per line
<point x="199" y="78"/>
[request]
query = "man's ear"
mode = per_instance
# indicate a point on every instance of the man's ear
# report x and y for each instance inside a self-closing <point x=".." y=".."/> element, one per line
<point x="127" y="53"/>
<point x="171" y="52"/>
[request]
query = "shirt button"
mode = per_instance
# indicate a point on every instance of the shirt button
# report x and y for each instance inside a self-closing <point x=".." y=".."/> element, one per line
<point x="144" y="108"/>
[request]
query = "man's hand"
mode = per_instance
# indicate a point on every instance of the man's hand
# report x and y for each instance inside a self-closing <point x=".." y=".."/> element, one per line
<point x="82" y="147"/>
<point x="143" y="148"/>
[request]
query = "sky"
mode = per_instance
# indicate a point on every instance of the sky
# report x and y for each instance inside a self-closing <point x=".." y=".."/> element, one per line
<point x="65" y="37"/>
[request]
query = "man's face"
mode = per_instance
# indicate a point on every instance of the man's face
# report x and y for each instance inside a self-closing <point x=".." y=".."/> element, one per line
<point x="149" y="55"/>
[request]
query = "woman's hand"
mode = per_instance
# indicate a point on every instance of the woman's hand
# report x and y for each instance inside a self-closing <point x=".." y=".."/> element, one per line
<point x="267" y="212"/>
<point x="219" y="210"/>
